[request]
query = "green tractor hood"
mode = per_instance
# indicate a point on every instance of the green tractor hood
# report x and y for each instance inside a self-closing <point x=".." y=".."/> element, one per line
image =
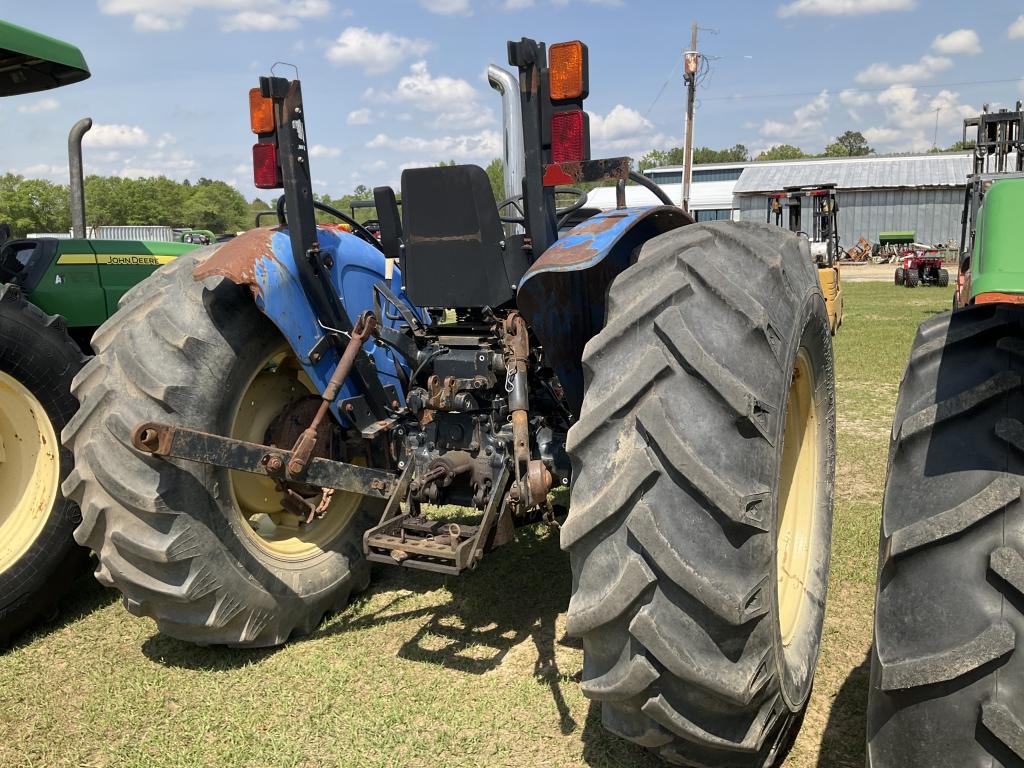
<point x="997" y="265"/>
<point x="32" y="62"/>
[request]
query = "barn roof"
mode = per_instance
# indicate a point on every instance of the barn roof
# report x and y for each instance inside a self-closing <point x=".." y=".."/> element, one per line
<point x="940" y="170"/>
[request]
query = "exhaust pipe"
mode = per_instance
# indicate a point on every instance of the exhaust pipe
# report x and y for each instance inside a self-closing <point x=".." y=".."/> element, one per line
<point x="514" y="153"/>
<point x="77" y="184"/>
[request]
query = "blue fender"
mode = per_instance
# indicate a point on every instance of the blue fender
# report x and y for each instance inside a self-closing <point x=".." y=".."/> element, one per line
<point x="262" y="259"/>
<point x="563" y="295"/>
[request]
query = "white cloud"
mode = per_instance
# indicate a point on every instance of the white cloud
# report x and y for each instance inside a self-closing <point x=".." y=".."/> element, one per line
<point x="621" y="123"/>
<point x="883" y="135"/>
<point x="258" y="21"/>
<point x="454" y="101"/>
<point x="909" y="121"/>
<point x="43" y="105"/>
<point x="625" y="131"/>
<point x="415" y="164"/>
<point x="807" y="123"/>
<point x="854" y="100"/>
<point x="1016" y="30"/>
<point x="517" y="5"/>
<point x="960" y="41"/>
<point x="163" y="16"/>
<point x="43" y="169"/>
<point x="843" y="7"/>
<point x="883" y="74"/>
<point x="375" y="53"/>
<point x="359" y="117"/>
<point x="115" y="135"/>
<point x="174" y="165"/>
<point x="485" y="145"/>
<point x="447" y="7"/>
<point x="320" y="150"/>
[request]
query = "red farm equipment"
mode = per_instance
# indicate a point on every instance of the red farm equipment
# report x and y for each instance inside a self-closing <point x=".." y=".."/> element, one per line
<point x="918" y="264"/>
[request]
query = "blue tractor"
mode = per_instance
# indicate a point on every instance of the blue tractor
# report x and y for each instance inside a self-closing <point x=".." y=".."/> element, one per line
<point x="266" y="418"/>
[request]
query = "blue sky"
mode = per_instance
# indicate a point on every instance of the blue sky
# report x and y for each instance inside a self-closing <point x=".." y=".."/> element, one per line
<point x="394" y="83"/>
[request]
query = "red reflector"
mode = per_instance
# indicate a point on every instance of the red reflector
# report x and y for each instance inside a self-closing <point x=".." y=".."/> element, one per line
<point x="567" y="136"/>
<point x="265" y="173"/>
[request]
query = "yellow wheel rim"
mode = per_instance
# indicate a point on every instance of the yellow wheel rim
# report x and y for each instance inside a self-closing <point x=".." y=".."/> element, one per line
<point x="798" y="494"/>
<point x="29" y="470"/>
<point x="279" y="381"/>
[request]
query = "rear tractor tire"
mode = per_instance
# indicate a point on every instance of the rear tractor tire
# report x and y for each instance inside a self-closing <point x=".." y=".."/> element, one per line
<point x="209" y="554"/>
<point x="912" y="278"/>
<point x="701" y="511"/>
<point x="943" y="279"/>
<point x="899" y="277"/>
<point x="947" y="663"/>
<point x="39" y="559"/>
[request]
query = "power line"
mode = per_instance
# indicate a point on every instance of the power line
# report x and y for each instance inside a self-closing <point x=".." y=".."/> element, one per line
<point x="664" y="85"/>
<point x="921" y="86"/>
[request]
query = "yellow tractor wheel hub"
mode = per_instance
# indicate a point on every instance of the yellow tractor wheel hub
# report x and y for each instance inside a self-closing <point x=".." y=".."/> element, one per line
<point x="276" y="531"/>
<point x="798" y="496"/>
<point x="29" y="470"/>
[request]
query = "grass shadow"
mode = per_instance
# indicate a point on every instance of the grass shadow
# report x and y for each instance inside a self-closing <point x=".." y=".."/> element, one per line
<point x="85" y="596"/>
<point x="491" y="611"/>
<point x="842" y="742"/>
<point x="169" y="652"/>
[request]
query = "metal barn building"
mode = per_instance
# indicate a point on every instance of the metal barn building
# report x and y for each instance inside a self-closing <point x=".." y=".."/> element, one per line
<point x="924" y="193"/>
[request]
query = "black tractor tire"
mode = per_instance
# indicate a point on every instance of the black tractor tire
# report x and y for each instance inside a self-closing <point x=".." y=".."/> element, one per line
<point x="673" y="523"/>
<point x="899" y="277"/>
<point x="947" y="663"/>
<point x="36" y="351"/>
<point x="165" y="531"/>
<point x="943" y="278"/>
<point x="912" y="278"/>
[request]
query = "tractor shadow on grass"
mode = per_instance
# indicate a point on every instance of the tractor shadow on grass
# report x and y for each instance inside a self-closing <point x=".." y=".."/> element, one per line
<point x="515" y="595"/>
<point x="842" y="742"/>
<point x="84" y="597"/>
<point x="170" y="652"/>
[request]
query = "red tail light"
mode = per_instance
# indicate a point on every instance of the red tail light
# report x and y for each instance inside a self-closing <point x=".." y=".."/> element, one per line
<point x="265" y="172"/>
<point x="568" y="136"/>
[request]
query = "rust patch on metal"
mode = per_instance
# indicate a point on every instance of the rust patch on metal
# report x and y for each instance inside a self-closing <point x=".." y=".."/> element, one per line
<point x="582" y="171"/>
<point x="597" y="225"/>
<point x="236" y="259"/>
<point x="582" y="251"/>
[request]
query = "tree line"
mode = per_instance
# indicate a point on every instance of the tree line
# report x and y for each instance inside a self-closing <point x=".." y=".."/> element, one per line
<point x="848" y="144"/>
<point x="37" y="205"/>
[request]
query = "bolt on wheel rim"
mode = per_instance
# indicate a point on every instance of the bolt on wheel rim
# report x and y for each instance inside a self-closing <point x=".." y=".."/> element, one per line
<point x="798" y="493"/>
<point x="29" y="470"/>
<point x="280" y="381"/>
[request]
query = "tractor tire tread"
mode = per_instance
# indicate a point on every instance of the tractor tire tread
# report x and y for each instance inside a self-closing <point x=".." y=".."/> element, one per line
<point x="947" y="671"/>
<point x="44" y="358"/>
<point x="667" y="626"/>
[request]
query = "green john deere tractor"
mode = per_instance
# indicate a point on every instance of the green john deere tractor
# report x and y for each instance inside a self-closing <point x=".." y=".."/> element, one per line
<point x="53" y="294"/>
<point x="947" y="671"/>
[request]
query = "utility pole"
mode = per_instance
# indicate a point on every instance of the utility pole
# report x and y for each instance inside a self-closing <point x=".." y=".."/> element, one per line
<point x="691" y="65"/>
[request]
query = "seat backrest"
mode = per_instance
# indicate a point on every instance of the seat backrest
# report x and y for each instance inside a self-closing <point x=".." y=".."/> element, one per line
<point x="453" y="255"/>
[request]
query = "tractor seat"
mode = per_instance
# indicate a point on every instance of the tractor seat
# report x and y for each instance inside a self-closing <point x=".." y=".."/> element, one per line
<point x="454" y="255"/>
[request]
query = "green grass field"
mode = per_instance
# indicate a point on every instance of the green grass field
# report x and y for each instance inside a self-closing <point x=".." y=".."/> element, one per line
<point x="425" y="670"/>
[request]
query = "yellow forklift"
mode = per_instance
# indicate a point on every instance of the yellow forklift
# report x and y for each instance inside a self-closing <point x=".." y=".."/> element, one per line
<point x="823" y="236"/>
